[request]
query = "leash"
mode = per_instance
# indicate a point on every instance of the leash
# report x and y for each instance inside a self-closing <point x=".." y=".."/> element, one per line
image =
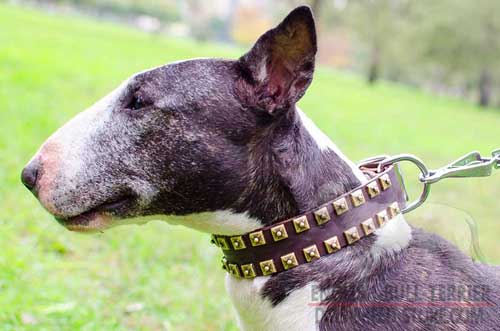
<point x="342" y="221"/>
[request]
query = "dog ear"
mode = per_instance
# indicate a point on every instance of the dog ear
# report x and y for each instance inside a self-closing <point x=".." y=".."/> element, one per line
<point x="276" y="72"/>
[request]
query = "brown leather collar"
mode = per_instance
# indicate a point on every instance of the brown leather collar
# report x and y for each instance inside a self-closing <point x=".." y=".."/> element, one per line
<point x="319" y="232"/>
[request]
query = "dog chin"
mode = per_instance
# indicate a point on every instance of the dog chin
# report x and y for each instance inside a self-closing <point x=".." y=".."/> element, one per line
<point x="100" y="221"/>
<point x="88" y="222"/>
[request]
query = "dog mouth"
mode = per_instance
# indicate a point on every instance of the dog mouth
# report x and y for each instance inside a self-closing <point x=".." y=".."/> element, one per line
<point x="100" y="217"/>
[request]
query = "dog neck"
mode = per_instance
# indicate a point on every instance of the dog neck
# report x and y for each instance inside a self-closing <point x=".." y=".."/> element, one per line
<point x="308" y="171"/>
<point x="293" y="168"/>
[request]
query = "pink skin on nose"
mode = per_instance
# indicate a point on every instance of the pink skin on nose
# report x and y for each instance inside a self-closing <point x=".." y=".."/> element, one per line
<point x="50" y="160"/>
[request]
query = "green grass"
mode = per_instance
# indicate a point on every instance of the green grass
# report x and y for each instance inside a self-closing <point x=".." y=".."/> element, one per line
<point x="51" y="67"/>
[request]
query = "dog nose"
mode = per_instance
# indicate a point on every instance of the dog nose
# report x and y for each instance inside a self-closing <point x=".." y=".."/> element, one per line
<point x="29" y="176"/>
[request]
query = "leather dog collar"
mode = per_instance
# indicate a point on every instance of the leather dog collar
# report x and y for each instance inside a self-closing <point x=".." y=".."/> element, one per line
<point x="322" y="231"/>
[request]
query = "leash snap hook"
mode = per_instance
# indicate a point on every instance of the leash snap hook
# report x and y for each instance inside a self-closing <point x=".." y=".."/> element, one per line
<point x="496" y="155"/>
<point x="424" y="172"/>
<point x="469" y="165"/>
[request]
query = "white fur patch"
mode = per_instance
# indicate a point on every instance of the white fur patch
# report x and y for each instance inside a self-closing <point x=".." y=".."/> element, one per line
<point x="325" y="143"/>
<point x="296" y="313"/>
<point x="393" y="237"/>
<point x="74" y="135"/>
<point x="221" y="222"/>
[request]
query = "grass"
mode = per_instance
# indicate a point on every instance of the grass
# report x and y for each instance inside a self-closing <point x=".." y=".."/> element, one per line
<point x="51" y="67"/>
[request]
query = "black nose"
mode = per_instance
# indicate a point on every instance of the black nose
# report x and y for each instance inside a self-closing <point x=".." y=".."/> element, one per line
<point x="29" y="176"/>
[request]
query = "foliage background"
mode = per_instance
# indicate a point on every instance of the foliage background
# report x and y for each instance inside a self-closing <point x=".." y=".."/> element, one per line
<point x="161" y="277"/>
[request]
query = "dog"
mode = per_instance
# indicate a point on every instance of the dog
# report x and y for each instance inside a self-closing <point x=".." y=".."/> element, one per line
<point x="220" y="146"/>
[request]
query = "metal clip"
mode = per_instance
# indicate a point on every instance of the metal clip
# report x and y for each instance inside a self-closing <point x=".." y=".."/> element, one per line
<point x="469" y="165"/>
<point x="423" y="172"/>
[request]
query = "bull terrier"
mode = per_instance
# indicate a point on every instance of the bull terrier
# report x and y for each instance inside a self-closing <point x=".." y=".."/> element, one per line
<point x="220" y="146"/>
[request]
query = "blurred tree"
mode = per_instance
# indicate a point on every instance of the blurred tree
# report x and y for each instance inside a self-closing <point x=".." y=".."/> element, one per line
<point x="377" y="23"/>
<point x="462" y="37"/>
<point x="209" y="20"/>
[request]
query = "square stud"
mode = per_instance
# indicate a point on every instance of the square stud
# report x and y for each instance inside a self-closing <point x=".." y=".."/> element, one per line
<point x="373" y="189"/>
<point x="368" y="226"/>
<point x="257" y="238"/>
<point x="357" y="198"/>
<point x="248" y="271"/>
<point x="267" y="267"/>
<point x="224" y="264"/>
<point x="351" y="235"/>
<point x="222" y="243"/>
<point x="332" y="245"/>
<point x="234" y="270"/>
<point x="322" y="216"/>
<point x="311" y="253"/>
<point x="382" y="218"/>
<point x="340" y="206"/>
<point x="238" y="243"/>
<point x="289" y="261"/>
<point x="394" y="209"/>
<point x="385" y="182"/>
<point x="301" y="224"/>
<point x="279" y="232"/>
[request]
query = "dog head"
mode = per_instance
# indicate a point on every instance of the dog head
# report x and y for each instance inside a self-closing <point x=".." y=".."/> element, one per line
<point x="174" y="140"/>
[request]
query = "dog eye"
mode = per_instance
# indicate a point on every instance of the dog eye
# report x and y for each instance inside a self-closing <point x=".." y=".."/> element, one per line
<point x="136" y="103"/>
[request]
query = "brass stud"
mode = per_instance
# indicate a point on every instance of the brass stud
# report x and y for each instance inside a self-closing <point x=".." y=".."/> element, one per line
<point x="373" y="189"/>
<point x="311" y="253"/>
<point x="224" y="263"/>
<point x="351" y="235"/>
<point x="322" y="216"/>
<point x="279" y="232"/>
<point x="301" y="224"/>
<point x="223" y="243"/>
<point x="289" y="261"/>
<point x="357" y="198"/>
<point x="385" y="182"/>
<point x="238" y="243"/>
<point x="257" y="238"/>
<point x="234" y="270"/>
<point x="332" y="245"/>
<point x="340" y="206"/>
<point x="368" y="226"/>
<point x="382" y="218"/>
<point x="248" y="270"/>
<point x="394" y="209"/>
<point x="267" y="267"/>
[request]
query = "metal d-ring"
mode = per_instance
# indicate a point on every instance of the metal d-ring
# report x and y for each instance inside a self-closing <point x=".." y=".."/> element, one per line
<point x="424" y="173"/>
